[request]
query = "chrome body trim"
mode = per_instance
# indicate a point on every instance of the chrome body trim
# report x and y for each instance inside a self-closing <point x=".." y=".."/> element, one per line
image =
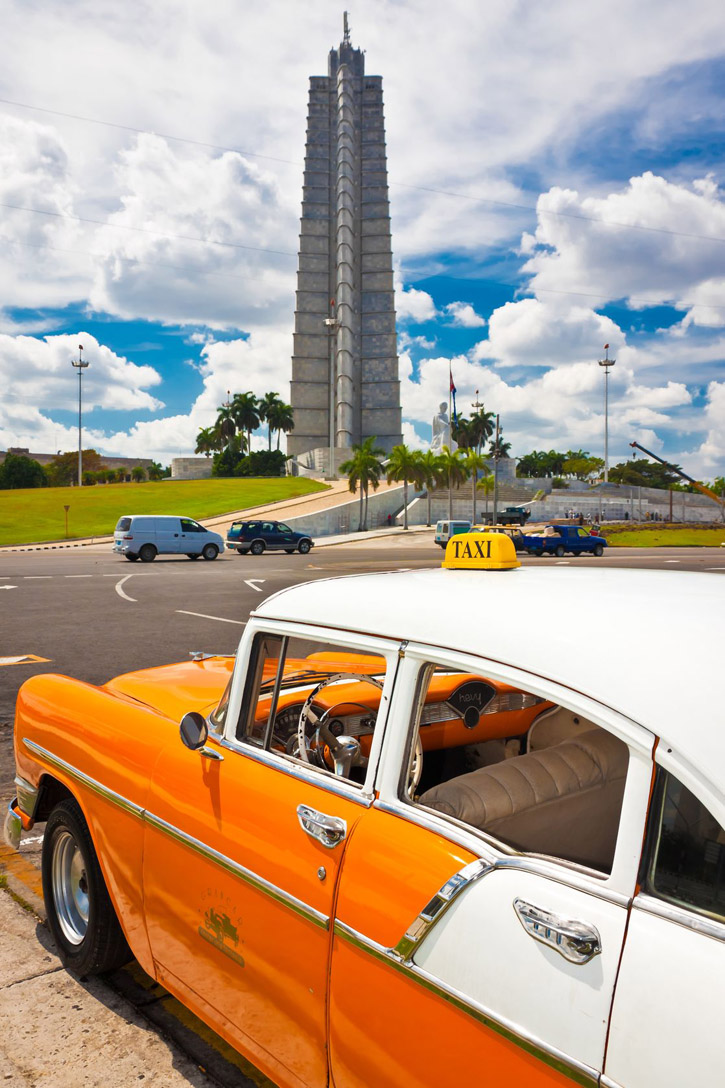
<point x="312" y="777"/>
<point x="233" y="867"/>
<point x="552" y="868"/>
<point x="12" y="826"/>
<point x="578" y="1072"/>
<point x="434" y="910"/>
<point x="607" y="1082"/>
<point x="85" y="780"/>
<point x="578" y="942"/>
<point x="700" y="923"/>
<point x="27" y="796"/>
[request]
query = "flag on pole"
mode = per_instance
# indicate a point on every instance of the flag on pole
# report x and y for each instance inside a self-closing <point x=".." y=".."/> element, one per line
<point x="453" y="393"/>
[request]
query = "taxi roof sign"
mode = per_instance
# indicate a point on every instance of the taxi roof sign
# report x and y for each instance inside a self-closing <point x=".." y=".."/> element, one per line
<point x="480" y="551"/>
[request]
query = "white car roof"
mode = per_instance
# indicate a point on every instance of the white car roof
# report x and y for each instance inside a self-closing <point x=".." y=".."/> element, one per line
<point x="648" y="644"/>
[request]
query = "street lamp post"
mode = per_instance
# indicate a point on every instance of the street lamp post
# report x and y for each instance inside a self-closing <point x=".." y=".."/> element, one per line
<point x="80" y="367"/>
<point x="332" y="325"/>
<point x="607" y="363"/>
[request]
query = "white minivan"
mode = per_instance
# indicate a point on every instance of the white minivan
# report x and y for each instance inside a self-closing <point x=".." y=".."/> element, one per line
<point x="144" y="536"/>
<point x="446" y="529"/>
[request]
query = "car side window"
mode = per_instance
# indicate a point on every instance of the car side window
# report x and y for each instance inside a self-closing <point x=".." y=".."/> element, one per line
<point x="189" y="526"/>
<point x="526" y="772"/>
<point x="283" y="528"/>
<point x="686" y="855"/>
<point x="313" y="703"/>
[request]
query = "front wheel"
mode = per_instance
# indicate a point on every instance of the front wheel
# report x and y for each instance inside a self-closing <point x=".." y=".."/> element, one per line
<point x="210" y="551"/>
<point x="559" y="551"/>
<point x="131" y="556"/>
<point x="81" y="917"/>
<point x="147" y="553"/>
<point x="599" y="549"/>
<point x="257" y="547"/>
<point x="304" y="547"/>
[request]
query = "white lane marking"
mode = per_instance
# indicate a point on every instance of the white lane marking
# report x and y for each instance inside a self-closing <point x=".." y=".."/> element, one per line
<point x="203" y="616"/>
<point x="120" y="591"/>
<point x="136" y="574"/>
<point x="35" y="577"/>
<point x="714" y="568"/>
<point x="77" y="575"/>
<point x="251" y="582"/>
<point x="13" y="587"/>
<point x="562" y="563"/>
<point x="32" y="839"/>
<point x="672" y="560"/>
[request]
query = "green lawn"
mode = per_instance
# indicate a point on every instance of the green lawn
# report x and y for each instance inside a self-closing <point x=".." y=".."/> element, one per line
<point x="666" y="536"/>
<point x="34" y="515"/>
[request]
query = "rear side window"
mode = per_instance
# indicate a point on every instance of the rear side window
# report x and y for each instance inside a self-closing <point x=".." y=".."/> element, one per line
<point x="124" y="524"/>
<point x="687" y="859"/>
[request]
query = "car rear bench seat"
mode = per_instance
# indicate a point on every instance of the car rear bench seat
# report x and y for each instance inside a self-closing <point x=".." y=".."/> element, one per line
<point x="564" y="801"/>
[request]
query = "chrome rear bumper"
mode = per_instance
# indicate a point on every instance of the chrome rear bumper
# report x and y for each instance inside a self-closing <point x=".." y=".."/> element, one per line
<point x="13" y="826"/>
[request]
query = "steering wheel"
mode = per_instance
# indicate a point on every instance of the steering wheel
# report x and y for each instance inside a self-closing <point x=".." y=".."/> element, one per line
<point x="317" y="743"/>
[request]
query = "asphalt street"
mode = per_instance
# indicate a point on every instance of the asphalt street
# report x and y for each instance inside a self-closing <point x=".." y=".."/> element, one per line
<point x="90" y="614"/>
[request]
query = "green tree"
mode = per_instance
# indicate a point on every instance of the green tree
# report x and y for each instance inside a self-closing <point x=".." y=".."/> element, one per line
<point x="454" y="471"/>
<point x="208" y="440"/>
<point x="225" y="428"/>
<point x="432" y="474"/>
<point x="18" y="471"/>
<point x="462" y="433"/>
<point x="643" y="473"/>
<point x="487" y="484"/>
<point x="499" y="449"/>
<point x="63" y="469"/>
<point x="475" y="463"/>
<point x="281" y="419"/>
<point x="155" y="471"/>
<point x="363" y="470"/>
<point x="404" y="464"/>
<point x="245" y="413"/>
<point x="582" y="465"/>
<point x="265" y="406"/>
<point x="138" y="474"/>
<point x="483" y="425"/>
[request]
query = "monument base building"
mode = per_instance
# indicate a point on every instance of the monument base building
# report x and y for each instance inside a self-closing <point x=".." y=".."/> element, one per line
<point x="345" y="382"/>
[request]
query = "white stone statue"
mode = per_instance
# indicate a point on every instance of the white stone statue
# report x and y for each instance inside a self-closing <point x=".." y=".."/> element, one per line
<point x="442" y="430"/>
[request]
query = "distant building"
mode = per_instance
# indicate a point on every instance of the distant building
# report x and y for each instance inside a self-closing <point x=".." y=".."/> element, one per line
<point x="345" y="380"/>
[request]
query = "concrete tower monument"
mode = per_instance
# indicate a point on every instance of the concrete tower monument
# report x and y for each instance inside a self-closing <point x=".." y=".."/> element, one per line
<point x="345" y="383"/>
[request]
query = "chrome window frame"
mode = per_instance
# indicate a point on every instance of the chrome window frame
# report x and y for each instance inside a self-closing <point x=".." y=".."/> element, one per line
<point x="352" y="641"/>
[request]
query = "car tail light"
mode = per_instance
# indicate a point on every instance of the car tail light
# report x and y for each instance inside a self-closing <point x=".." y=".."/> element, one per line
<point x="128" y="536"/>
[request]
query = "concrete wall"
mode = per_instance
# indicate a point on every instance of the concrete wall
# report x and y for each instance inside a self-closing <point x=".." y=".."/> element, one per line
<point x="191" y="468"/>
<point x="337" y="520"/>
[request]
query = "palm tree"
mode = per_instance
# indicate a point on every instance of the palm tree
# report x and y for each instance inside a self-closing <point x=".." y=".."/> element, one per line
<point x="475" y="463"/>
<point x="245" y="413"/>
<point x="455" y="472"/>
<point x="502" y="448"/>
<point x="156" y="471"/>
<point x="225" y="427"/>
<point x="431" y="473"/>
<point x="404" y="464"/>
<point x="364" y="470"/>
<point x="281" y="418"/>
<point x="483" y="424"/>
<point x="265" y="409"/>
<point x="462" y="432"/>
<point x="207" y="441"/>
<point x="486" y="485"/>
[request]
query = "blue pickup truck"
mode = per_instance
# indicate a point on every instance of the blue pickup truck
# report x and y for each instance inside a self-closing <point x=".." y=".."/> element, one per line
<point x="566" y="538"/>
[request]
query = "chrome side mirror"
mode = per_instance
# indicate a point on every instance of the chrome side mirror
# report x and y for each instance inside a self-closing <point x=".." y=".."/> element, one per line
<point x="194" y="730"/>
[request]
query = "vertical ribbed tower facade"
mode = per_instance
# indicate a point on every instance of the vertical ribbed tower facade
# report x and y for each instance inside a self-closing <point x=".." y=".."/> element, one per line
<point x="345" y="382"/>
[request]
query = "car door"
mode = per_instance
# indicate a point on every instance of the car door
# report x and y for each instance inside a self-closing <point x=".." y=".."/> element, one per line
<point x="242" y="856"/>
<point x="667" y="1017"/>
<point x="189" y="538"/>
<point x="286" y="536"/>
<point x="461" y="957"/>
<point x="271" y="535"/>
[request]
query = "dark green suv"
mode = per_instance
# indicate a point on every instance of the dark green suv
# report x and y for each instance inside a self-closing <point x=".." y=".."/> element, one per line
<point x="259" y="536"/>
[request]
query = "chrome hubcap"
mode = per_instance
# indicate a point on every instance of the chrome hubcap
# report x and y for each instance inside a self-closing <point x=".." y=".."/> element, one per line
<point x="70" y="888"/>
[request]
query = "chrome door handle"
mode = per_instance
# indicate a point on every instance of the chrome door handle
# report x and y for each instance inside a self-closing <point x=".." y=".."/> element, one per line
<point x="329" y="830"/>
<point x="577" y="942"/>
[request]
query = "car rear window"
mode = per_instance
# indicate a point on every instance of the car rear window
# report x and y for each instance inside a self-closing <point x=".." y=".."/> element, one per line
<point x="124" y="524"/>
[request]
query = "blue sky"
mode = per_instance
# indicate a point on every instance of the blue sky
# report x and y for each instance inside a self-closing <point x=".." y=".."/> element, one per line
<point x="556" y="184"/>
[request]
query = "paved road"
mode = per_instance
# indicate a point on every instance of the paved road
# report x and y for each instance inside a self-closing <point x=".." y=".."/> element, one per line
<point x="91" y="615"/>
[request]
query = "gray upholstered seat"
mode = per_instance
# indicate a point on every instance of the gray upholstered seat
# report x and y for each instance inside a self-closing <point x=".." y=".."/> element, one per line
<point x="564" y="800"/>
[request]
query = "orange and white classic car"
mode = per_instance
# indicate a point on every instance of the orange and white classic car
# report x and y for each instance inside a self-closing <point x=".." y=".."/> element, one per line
<point x="405" y="839"/>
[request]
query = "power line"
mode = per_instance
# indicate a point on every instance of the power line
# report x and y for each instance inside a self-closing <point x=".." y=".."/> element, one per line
<point x="145" y="132"/>
<point x="148" y="230"/>
<point x="399" y="184"/>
